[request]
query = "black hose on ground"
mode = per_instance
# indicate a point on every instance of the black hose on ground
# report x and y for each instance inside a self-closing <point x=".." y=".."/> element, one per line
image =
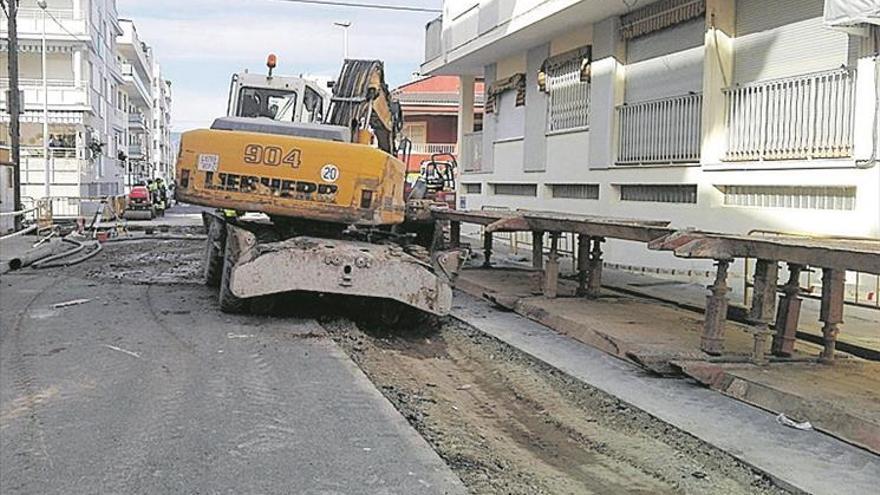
<point x="52" y="261"/>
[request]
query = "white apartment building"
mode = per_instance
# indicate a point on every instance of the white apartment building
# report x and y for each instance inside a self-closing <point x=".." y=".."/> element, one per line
<point x="728" y="115"/>
<point x="146" y="96"/>
<point x="164" y="154"/>
<point x="85" y="125"/>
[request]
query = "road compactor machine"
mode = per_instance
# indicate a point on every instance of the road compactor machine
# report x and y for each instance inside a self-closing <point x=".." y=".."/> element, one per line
<point x="322" y="170"/>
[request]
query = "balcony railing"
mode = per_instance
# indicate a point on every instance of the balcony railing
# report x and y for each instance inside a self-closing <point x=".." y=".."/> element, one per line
<point x="803" y="117"/>
<point x="432" y="148"/>
<point x="61" y="93"/>
<point x="660" y="131"/>
<point x="30" y="21"/>
<point x="471" y="152"/>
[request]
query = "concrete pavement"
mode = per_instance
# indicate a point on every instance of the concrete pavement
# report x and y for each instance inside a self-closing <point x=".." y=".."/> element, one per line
<point x="147" y="388"/>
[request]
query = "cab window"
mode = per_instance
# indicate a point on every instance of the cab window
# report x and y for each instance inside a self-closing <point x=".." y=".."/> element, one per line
<point x="276" y="104"/>
<point x="313" y="106"/>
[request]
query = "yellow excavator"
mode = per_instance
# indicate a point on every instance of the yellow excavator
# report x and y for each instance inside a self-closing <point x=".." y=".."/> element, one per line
<point x="322" y="170"/>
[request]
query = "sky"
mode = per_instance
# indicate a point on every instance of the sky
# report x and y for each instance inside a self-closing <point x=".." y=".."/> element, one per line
<point x="201" y="43"/>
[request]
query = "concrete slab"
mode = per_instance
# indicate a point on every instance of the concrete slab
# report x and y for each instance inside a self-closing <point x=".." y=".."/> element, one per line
<point x="842" y="400"/>
<point x="805" y="461"/>
<point x="642" y="330"/>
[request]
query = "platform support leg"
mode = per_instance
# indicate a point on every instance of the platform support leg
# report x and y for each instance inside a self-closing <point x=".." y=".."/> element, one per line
<point x="551" y="271"/>
<point x="788" y="313"/>
<point x="831" y="311"/>
<point x="583" y="264"/>
<point x="487" y="250"/>
<point x="538" y="250"/>
<point x="454" y="234"/>
<point x="594" y="278"/>
<point x="712" y="341"/>
<point x="763" y="306"/>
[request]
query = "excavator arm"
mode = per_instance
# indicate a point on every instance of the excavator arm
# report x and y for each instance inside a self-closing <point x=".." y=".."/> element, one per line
<point x="361" y="101"/>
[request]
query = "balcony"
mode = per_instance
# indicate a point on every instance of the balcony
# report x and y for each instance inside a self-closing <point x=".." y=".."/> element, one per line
<point x="133" y="79"/>
<point x="432" y="148"/>
<point x="137" y="120"/>
<point x="434" y="39"/>
<point x="472" y="33"/>
<point x="660" y="131"/>
<point x="471" y="152"/>
<point x="30" y="23"/>
<point x="802" y="117"/>
<point x="66" y="166"/>
<point x="62" y="94"/>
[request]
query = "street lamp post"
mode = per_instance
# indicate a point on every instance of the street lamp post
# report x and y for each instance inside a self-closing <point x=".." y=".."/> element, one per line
<point x="46" y="167"/>
<point x="344" y="25"/>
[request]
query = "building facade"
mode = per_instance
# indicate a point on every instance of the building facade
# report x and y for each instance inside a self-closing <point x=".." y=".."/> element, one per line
<point x="430" y="115"/>
<point x="729" y="115"/>
<point x="94" y="82"/>
<point x="84" y="122"/>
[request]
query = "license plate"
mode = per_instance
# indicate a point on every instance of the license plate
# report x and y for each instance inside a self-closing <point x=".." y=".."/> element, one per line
<point x="209" y="163"/>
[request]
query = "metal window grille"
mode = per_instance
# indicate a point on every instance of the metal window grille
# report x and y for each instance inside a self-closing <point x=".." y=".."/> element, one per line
<point x="575" y="191"/>
<point x="800" y="197"/>
<point x="568" y="104"/>
<point x="802" y="117"/>
<point x="666" y="130"/>
<point x="473" y="188"/>
<point x="659" y="193"/>
<point x="515" y="189"/>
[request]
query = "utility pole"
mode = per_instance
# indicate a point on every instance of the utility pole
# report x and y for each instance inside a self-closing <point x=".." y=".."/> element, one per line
<point x="344" y="25"/>
<point x="13" y="103"/>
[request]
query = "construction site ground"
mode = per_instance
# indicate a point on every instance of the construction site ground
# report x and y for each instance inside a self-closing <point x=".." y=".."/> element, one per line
<point x="121" y="375"/>
<point x="654" y="324"/>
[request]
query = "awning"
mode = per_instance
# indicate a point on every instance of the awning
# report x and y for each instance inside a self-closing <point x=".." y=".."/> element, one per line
<point x="851" y="13"/>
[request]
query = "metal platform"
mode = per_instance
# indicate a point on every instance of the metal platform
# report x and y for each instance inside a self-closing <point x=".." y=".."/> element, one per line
<point x="834" y="257"/>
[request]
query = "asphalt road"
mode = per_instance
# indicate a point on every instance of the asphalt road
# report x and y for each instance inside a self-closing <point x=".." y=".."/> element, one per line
<point x="148" y="388"/>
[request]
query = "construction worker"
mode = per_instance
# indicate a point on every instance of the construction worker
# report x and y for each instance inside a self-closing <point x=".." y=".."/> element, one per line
<point x="163" y="195"/>
<point x="154" y="191"/>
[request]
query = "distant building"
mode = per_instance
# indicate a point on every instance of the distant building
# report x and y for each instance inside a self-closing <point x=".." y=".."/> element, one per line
<point x="430" y="110"/>
<point x="147" y="99"/>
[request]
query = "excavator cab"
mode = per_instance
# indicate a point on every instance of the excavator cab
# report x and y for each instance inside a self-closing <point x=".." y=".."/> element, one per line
<point x="279" y="98"/>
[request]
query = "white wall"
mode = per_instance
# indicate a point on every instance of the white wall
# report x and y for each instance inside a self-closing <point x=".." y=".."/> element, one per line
<point x="567" y="161"/>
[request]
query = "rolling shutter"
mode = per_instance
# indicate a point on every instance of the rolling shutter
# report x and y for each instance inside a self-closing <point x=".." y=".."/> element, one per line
<point x="784" y="38"/>
<point x="666" y="63"/>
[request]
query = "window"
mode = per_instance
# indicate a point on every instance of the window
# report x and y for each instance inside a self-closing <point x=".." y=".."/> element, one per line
<point x="313" y="106"/>
<point x="659" y="193"/>
<point x="262" y="102"/>
<point x="510" y="119"/>
<point x="515" y="189"/>
<point x="417" y="132"/>
<point x="566" y="80"/>
<point x="575" y="191"/>
<point x="800" y="197"/>
<point x="473" y="188"/>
